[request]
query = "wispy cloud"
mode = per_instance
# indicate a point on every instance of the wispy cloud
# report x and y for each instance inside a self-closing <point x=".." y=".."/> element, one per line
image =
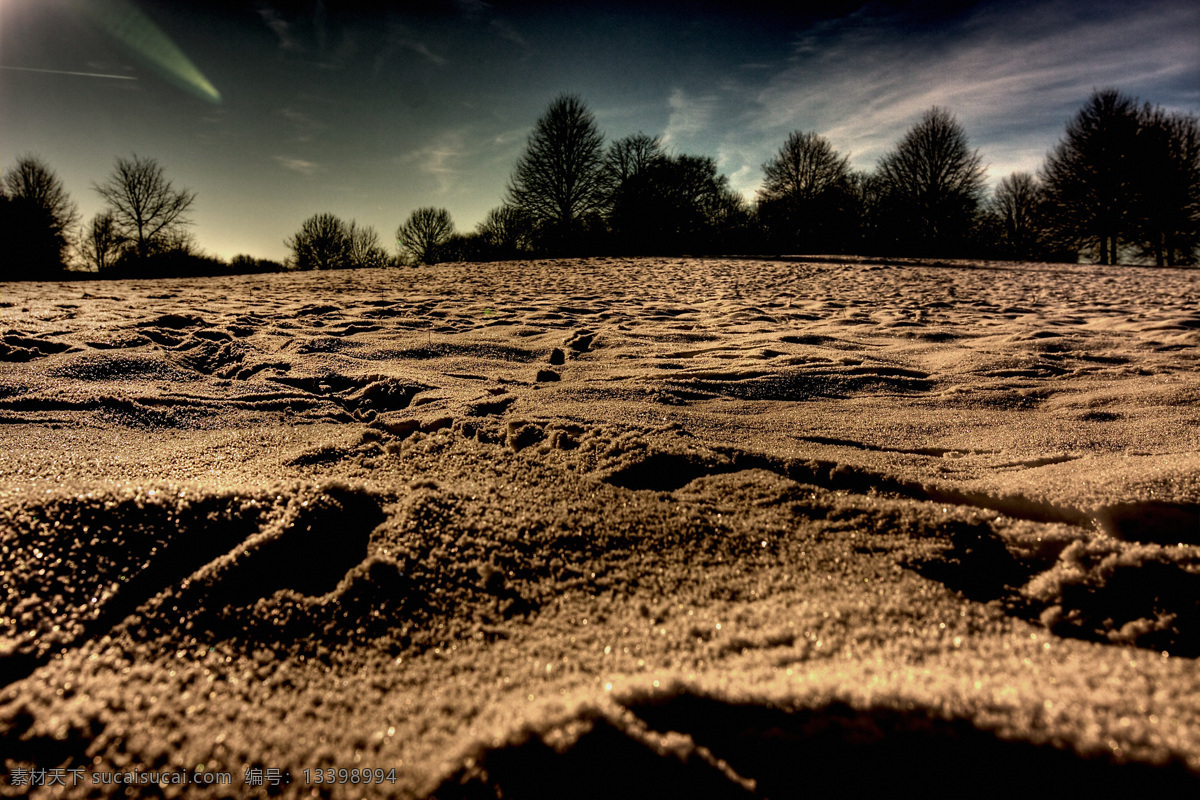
<point x="303" y="127"/>
<point x="279" y="26"/>
<point x="1009" y="73"/>
<point x="508" y="33"/>
<point x="690" y="117"/>
<point x="401" y="37"/>
<point x="422" y="49"/>
<point x="443" y="159"/>
<point x="742" y="165"/>
<point x="314" y="34"/>
<point x="297" y="165"/>
<point x="510" y="138"/>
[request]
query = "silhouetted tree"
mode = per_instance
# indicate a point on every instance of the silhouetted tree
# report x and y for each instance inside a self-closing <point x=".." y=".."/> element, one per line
<point x="674" y="204"/>
<point x="1167" y="181"/>
<point x="365" y="250"/>
<point x="465" y="247"/>
<point x="323" y="242"/>
<point x="1125" y="176"/>
<point x="1088" y="177"/>
<point x="243" y="264"/>
<point x="31" y="180"/>
<point x="734" y="225"/>
<point x="806" y="197"/>
<point x="31" y="250"/>
<point x="424" y="232"/>
<point x="507" y="232"/>
<point x="147" y="211"/>
<point x="99" y="242"/>
<point x="805" y="167"/>
<point x="626" y="157"/>
<point x="932" y="185"/>
<point x="1015" y="213"/>
<point x="559" y="181"/>
<point x="36" y="217"/>
<point x="867" y="193"/>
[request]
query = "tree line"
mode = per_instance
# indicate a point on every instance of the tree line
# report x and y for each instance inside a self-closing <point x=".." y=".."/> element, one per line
<point x="143" y="230"/>
<point x="1123" y="184"/>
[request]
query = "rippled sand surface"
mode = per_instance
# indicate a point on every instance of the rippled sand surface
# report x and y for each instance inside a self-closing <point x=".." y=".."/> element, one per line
<point x="606" y="527"/>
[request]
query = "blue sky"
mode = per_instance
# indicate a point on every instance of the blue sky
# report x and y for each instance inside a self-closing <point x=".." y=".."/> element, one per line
<point x="369" y="111"/>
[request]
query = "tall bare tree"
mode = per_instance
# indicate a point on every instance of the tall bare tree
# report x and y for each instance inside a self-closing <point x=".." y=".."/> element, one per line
<point x="1167" y="181"/>
<point x="424" y="232"/>
<point x="1089" y="176"/>
<point x="559" y="181"/>
<point x="1125" y="180"/>
<point x="33" y="181"/>
<point x="147" y="210"/>
<point x="933" y="184"/>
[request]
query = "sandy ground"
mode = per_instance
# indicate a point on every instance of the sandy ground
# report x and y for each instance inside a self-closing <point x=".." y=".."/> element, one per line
<point x="638" y="528"/>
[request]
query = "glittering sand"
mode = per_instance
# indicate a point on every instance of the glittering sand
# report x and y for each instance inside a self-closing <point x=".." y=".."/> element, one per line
<point x="613" y="528"/>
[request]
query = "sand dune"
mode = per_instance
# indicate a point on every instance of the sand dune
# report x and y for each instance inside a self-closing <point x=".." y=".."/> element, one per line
<point x="609" y="527"/>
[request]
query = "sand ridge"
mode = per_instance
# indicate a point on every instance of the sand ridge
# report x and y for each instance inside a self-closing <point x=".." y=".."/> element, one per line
<point x="497" y="526"/>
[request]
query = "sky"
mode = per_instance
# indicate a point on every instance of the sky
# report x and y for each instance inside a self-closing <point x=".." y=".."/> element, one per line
<point x="275" y="110"/>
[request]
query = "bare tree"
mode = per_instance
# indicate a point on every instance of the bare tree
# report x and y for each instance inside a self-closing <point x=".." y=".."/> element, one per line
<point x="1015" y="210"/>
<point x="506" y="231"/>
<point x="1126" y="176"/>
<point x="1089" y="176"/>
<point x="424" y="232"/>
<point x="41" y="216"/>
<point x="806" y="197"/>
<point x="365" y="250"/>
<point x="559" y="181"/>
<point x="933" y="184"/>
<point x="33" y="181"/>
<point x="99" y="242"/>
<point x="627" y="157"/>
<point x="146" y="208"/>
<point x="867" y="199"/>
<point x="804" y="168"/>
<point x="1167" y="186"/>
<point x="323" y="242"/>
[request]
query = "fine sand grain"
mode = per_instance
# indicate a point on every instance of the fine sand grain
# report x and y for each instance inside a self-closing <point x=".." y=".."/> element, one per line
<point x="604" y="528"/>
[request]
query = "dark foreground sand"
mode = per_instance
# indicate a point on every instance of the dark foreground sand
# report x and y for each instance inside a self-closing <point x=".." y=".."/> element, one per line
<point x="724" y="528"/>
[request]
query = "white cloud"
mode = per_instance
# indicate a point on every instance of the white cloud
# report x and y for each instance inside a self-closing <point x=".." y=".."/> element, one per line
<point x="690" y="117"/>
<point x="298" y="165"/>
<point x="442" y="159"/>
<point x="743" y="168"/>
